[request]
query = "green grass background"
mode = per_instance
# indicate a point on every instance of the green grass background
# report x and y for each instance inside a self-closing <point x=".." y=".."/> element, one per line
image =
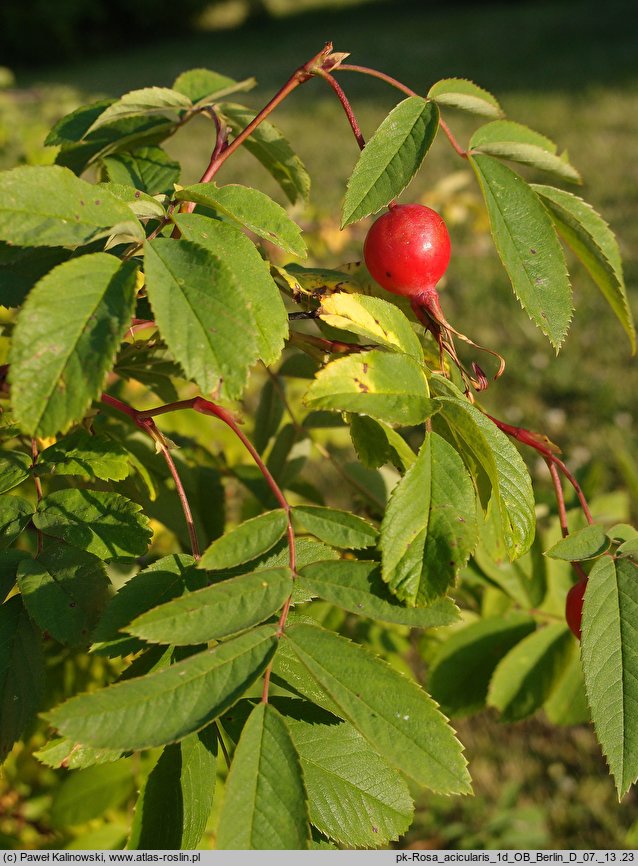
<point x="567" y="69"/>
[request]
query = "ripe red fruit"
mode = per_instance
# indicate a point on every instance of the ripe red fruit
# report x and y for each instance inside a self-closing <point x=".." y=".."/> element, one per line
<point x="407" y="250"/>
<point x="574" y="606"/>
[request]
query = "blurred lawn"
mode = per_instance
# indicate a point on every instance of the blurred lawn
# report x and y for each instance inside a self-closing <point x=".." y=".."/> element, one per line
<point x="569" y="70"/>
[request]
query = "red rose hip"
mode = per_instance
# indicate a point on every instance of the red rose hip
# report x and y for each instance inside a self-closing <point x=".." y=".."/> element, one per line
<point x="407" y="250"/>
<point x="574" y="606"/>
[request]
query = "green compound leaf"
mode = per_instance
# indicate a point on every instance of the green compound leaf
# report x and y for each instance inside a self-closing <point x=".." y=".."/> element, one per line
<point x="610" y="662"/>
<point x="15" y="514"/>
<point x="509" y="140"/>
<point x="205" y="319"/>
<point x="252" y="209"/>
<point x="586" y="543"/>
<point x="144" y="206"/>
<point x="510" y="510"/>
<point x="21" y="673"/>
<point x="377" y="444"/>
<point x="216" y="611"/>
<point x="246" y="541"/>
<point x="384" y="385"/>
<point x="106" y="524"/>
<point x="202" y="85"/>
<point x="175" y="802"/>
<point x="357" y="587"/>
<point x="60" y="752"/>
<point x="148" y="101"/>
<point x="528" y="674"/>
<point x="527" y="245"/>
<point x="462" y="668"/>
<point x="271" y="148"/>
<point x="373" y="318"/>
<point x="85" y="455"/>
<point x="19" y="276"/>
<point x="399" y="720"/>
<point x="465" y="95"/>
<point x="391" y="158"/>
<point x="430" y="527"/>
<point x="48" y="206"/>
<point x="252" y="274"/>
<point x="87" y="794"/>
<point x="335" y="527"/>
<point x="354" y="797"/>
<point x="167" y="705"/>
<point x="163" y="580"/>
<point x="76" y="340"/>
<point x="524" y="580"/>
<point x="149" y="169"/>
<point x="127" y="134"/>
<point x="567" y="704"/>
<point x="72" y="128"/>
<point x="15" y="467"/>
<point x="265" y="804"/>
<point x="64" y="591"/>
<point x="593" y="242"/>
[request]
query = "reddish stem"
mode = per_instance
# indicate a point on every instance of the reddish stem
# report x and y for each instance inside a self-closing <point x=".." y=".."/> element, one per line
<point x="544" y="447"/>
<point x="562" y="512"/>
<point x="393" y="82"/>
<point x="146" y="423"/>
<point x="375" y="73"/>
<point x="207" y="407"/>
<point x="343" y="99"/>
<point x="221" y="139"/>
<point x="302" y="74"/>
<point x="188" y="515"/>
<point x="457" y="147"/>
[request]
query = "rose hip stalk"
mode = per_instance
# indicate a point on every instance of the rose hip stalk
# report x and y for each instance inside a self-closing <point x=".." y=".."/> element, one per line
<point x="407" y="251"/>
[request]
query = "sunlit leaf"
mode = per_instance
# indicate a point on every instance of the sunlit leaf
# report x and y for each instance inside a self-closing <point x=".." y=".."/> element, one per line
<point x="265" y="802"/>
<point x="610" y="663"/>
<point x="391" y="158"/>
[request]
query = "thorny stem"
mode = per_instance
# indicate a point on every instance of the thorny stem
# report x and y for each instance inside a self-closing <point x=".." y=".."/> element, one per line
<point x="147" y="424"/>
<point x="343" y="99"/>
<point x="374" y="73"/>
<point x="562" y="512"/>
<point x="38" y="486"/>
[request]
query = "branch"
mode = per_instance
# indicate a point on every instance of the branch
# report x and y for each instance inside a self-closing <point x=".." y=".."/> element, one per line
<point x="207" y="407"/>
<point x="547" y="450"/>
<point x="562" y="512"/>
<point x="300" y="76"/>
<point x="147" y="424"/>
<point x="343" y="99"/>
<point x="393" y="82"/>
